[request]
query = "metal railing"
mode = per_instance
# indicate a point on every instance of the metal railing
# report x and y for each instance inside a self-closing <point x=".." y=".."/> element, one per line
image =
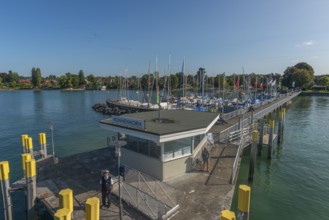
<point x="152" y="197"/>
<point x="244" y="136"/>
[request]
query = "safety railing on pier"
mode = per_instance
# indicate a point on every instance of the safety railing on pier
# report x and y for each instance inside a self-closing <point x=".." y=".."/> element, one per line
<point x="152" y="197"/>
<point x="244" y="140"/>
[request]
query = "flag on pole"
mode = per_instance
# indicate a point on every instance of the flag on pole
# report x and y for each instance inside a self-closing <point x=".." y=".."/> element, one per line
<point x="261" y="85"/>
<point x="237" y="83"/>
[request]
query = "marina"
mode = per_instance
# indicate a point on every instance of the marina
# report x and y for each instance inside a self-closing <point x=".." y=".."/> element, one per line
<point x="223" y="156"/>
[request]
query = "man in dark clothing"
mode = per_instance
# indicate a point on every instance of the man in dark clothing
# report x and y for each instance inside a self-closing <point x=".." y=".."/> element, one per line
<point x="106" y="186"/>
<point x="205" y="159"/>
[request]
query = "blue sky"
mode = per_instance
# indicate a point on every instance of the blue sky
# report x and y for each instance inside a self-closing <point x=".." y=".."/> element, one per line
<point x="108" y="37"/>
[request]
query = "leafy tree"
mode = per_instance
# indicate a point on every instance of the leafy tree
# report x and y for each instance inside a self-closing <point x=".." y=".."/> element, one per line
<point x="13" y="78"/>
<point x="75" y="80"/>
<point x="82" y="80"/>
<point x="302" y="74"/>
<point x="324" y="81"/>
<point x="36" y="77"/>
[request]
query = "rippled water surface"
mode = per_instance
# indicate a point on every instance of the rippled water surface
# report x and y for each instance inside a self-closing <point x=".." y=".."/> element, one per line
<point x="294" y="184"/>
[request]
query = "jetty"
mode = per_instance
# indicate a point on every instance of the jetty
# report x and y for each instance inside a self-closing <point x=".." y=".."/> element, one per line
<point x="192" y="195"/>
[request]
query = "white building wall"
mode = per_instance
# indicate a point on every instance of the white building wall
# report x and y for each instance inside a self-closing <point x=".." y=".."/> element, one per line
<point x="145" y="164"/>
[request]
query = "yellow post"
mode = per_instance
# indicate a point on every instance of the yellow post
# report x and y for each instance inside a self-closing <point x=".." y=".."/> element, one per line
<point x="66" y="199"/>
<point x="31" y="186"/>
<point x="5" y="187"/>
<point x="30" y="166"/>
<point x="4" y="170"/>
<point x="42" y="138"/>
<point x="29" y="146"/>
<point x="92" y="208"/>
<point x="43" y="144"/>
<point x="62" y="214"/>
<point x="25" y="157"/>
<point x="23" y="137"/>
<point x="227" y="215"/>
<point x="244" y="201"/>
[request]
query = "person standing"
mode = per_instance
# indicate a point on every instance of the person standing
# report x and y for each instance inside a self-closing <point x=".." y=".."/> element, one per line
<point x="205" y="159"/>
<point x="106" y="186"/>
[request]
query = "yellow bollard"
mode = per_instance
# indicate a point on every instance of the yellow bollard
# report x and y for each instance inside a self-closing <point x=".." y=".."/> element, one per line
<point x="92" y="208"/>
<point x="23" y="137"/>
<point x="42" y="138"/>
<point x="31" y="186"/>
<point x="66" y="199"/>
<point x="43" y="144"/>
<point x="227" y="215"/>
<point x="25" y="157"/>
<point x="4" y="170"/>
<point x="30" y="166"/>
<point x="244" y="198"/>
<point x="62" y="214"/>
<point x="5" y="187"/>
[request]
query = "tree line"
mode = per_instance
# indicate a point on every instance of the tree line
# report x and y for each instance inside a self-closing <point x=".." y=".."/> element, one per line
<point x="300" y="76"/>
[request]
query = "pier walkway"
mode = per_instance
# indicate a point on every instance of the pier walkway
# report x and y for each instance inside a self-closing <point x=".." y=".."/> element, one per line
<point x="202" y="195"/>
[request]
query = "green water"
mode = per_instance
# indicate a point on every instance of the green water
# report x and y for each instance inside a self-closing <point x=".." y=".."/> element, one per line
<point x="295" y="183"/>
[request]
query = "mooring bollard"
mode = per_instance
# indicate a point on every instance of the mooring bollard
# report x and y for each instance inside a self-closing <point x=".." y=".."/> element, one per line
<point x="23" y="137"/>
<point x="92" y="208"/>
<point x="29" y="146"/>
<point x="66" y="200"/>
<point x="227" y="215"/>
<point x="62" y="214"/>
<point x="25" y="157"/>
<point x="261" y="136"/>
<point x="253" y="155"/>
<point x="5" y="190"/>
<point x="43" y="144"/>
<point x="270" y="138"/>
<point x="243" y="202"/>
<point x="31" y="186"/>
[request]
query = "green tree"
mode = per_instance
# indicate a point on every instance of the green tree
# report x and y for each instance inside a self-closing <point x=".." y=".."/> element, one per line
<point x="324" y="81"/>
<point x="82" y="80"/>
<point x="302" y="74"/>
<point x="36" y="77"/>
<point x="13" y="79"/>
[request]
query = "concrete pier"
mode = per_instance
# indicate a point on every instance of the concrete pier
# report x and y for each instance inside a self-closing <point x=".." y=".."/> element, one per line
<point x="202" y="195"/>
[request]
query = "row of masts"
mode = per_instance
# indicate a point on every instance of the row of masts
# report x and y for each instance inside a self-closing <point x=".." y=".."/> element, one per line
<point x="198" y="86"/>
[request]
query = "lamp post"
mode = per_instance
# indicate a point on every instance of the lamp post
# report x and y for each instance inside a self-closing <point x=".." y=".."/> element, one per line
<point x="51" y="128"/>
<point x="118" y="145"/>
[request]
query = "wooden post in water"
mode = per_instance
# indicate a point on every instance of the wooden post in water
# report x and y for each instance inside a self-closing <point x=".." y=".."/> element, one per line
<point x="270" y="138"/>
<point x="284" y="118"/>
<point x="280" y="130"/>
<point x="253" y="155"/>
<point x="243" y="202"/>
<point x="5" y="190"/>
<point x="261" y="137"/>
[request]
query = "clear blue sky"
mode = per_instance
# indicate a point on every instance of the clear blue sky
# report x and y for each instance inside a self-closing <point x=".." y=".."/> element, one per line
<point x="107" y="37"/>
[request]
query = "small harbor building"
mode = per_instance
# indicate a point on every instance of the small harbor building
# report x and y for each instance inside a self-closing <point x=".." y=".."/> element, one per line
<point x="161" y="144"/>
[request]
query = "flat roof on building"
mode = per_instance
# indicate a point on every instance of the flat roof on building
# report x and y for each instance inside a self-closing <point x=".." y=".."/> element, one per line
<point x="175" y="122"/>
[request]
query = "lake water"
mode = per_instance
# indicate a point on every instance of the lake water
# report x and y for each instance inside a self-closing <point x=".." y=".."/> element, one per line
<point x="293" y="185"/>
<point x="76" y="127"/>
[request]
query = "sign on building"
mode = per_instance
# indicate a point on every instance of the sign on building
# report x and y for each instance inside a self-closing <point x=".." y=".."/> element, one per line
<point x="128" y="122"/>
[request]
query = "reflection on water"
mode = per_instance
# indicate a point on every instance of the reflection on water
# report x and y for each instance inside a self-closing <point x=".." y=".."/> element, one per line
<point x="294" y="184"/>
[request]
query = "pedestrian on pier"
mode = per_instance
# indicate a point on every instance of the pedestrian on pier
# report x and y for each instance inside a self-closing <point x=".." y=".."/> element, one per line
<point x="205" y="160"/>
<point x="106" y="186"/>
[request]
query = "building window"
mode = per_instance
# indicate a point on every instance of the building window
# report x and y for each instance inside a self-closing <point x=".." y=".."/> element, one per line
<point x="142" y="146"/>
<point x="177" y="148"/>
